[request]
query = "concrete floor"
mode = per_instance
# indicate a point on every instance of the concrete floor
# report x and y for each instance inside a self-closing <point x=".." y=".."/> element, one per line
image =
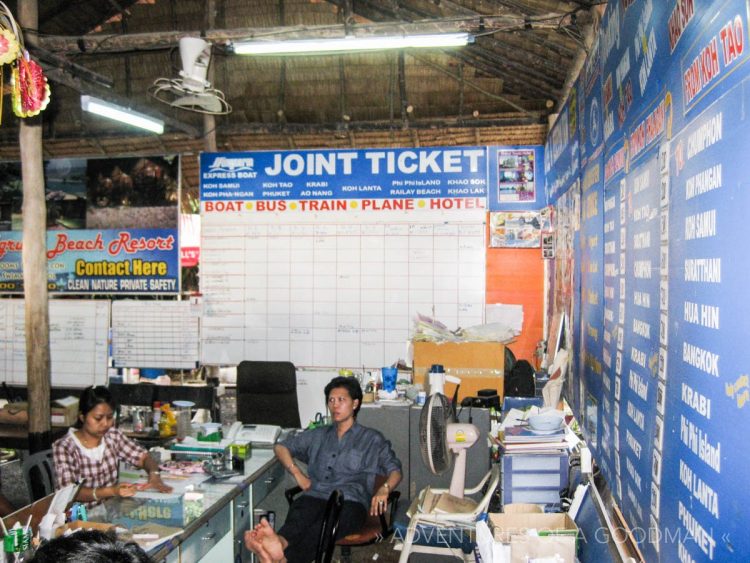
<point x="12" y="484"/>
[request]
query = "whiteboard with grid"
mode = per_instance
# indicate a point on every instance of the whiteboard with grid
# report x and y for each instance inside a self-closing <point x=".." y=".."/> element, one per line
<point x="336" y="289"/>
<point x="79" y="332"/>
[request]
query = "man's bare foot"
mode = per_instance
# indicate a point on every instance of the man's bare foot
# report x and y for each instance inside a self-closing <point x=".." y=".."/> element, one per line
<point x="266" y="543"/>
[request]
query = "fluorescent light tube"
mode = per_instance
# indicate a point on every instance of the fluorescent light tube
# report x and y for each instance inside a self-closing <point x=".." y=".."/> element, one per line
<point x="350" y="43"/>
<point x="124" y="115"/>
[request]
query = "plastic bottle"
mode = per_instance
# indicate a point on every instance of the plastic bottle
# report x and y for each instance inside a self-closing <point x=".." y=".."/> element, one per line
<point x="168" y="421"/>
<point x="137" y="420"/>
<point x="157" y="415"/>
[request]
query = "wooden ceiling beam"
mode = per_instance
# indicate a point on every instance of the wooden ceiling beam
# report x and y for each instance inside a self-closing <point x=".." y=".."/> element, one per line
<point x="57" y="16"/>
<point x="463" y="82"/>
<point x="492" y="47"/>
<point x="512" y="82"/>
<point x="106" y="44"/>
<point x="497" y="67"/>
<point x="231" y="129"/>
<point x="526" y="62"/>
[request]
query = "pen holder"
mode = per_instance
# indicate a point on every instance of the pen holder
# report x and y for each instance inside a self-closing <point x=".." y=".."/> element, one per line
<point x="17" y="540"/>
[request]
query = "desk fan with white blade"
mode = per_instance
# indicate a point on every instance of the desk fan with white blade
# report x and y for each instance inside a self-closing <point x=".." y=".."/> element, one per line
<point x="439" y="438"/>
<point x="192" y="91"/>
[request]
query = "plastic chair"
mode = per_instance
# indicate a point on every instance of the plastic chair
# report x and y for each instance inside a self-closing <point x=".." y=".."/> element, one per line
<point x="375" y="528"/>
<point x="39" y="473"/>
<point x="447" y="521"/>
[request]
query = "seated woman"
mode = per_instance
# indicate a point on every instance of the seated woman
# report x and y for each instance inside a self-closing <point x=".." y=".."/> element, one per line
<point x="91" y="452"/>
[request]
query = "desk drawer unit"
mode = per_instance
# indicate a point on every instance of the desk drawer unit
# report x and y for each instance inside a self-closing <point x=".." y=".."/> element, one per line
<point x="207" y="536"/>
<point x="242" y="512"/>
<point x="266" y="482"/>
<point x="534" y="478"/>
<point x="242" y="516"/>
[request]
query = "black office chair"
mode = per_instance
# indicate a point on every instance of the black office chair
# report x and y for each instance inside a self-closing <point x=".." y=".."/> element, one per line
<point x="267" y="394"/>
<point x="375" y="528"/>
<point x="329" y="527"/>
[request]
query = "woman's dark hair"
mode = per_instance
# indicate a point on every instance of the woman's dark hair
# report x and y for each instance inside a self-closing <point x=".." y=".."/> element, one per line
<point x="90" y="398"/>
<point x="91" y="546"/>
<point x="351" y="385"/>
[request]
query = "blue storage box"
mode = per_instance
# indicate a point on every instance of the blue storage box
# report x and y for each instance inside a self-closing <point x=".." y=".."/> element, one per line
<point x="534" y="478"/>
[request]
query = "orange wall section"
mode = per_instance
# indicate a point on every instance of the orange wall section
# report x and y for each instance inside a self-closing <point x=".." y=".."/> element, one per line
<point x="515" y="276"/>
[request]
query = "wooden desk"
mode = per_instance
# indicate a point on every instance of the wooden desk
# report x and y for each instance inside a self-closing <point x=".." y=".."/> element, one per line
<point x="16" y="437"/>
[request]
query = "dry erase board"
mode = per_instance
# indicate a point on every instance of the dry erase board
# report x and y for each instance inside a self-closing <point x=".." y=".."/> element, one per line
<point x="324" y="257"/>
<point x="78" y="342"/>
<point x="328" y="294"/>
<point x="155" y="334"/>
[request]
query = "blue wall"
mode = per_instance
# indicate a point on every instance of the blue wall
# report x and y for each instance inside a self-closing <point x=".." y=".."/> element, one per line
<point x="660" y="312"/>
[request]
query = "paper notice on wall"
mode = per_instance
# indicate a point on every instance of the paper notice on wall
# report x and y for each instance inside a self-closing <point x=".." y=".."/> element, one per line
<point x="509" y="315"/>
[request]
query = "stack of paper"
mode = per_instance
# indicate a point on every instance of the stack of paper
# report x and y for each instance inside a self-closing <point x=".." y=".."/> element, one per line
<point x="523" y="439"/>
<point x="446" y="503"/>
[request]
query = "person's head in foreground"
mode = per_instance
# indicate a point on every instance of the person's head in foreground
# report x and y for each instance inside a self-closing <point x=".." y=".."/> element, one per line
<point x="90" y="546"/>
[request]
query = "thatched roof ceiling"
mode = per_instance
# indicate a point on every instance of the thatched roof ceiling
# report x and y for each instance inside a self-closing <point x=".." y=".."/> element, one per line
<point x="514" y="75"/>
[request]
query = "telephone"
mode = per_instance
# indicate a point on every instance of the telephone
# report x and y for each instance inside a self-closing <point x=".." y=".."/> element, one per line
<point x="255" y="433"/>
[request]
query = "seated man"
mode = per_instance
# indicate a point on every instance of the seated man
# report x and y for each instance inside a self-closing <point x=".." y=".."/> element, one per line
<point x="343" y="456"/>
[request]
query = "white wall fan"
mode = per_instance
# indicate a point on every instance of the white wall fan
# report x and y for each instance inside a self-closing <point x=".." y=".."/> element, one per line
<point x="192" y="91"/>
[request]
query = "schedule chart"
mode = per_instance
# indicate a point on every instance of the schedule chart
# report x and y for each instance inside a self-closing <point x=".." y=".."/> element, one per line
<point x="336" y="292"/>
<point x="78" y="331"/>
<point x="155" y="334"/>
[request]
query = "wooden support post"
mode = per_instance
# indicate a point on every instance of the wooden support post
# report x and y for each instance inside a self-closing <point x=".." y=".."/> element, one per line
<point x="209" y="120"/>
<point x="35" y="262"/>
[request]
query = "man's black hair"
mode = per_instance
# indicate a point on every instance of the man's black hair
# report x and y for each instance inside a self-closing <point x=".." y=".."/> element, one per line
<point x="91" y="546"/>
<point x="351" y="384"/>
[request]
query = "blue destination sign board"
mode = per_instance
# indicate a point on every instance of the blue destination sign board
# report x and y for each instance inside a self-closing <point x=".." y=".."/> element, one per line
<point x="455" y="172"/>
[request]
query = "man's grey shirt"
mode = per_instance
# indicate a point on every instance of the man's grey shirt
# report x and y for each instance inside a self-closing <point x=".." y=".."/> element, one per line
<point x="349" y="464"/>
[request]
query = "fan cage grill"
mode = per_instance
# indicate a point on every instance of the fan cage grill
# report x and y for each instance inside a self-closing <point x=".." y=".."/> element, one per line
<point x="433" y="440"/>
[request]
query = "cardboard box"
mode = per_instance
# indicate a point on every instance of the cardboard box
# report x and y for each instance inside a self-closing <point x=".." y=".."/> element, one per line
<point x="81" y="525"/>
<point x="480" y="365"/>
<point x="522" y="508"/>
<point x="555" y="534"/>
<point x="59" y="416"/>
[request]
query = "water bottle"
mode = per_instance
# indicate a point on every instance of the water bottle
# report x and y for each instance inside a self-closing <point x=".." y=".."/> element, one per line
<point x="157" y="415"/>
<point x="437" y="379"/>
<point x="137" y="420"/>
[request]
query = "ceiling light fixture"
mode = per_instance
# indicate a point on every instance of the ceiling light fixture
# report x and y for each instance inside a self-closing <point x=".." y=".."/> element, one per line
<point x="124" y="115"/>
<point x="351" y="43"/>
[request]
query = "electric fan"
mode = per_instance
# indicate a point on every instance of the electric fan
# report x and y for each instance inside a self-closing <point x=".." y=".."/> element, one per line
<point x="192" y="91"/>
<point x="441" y="439"/>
